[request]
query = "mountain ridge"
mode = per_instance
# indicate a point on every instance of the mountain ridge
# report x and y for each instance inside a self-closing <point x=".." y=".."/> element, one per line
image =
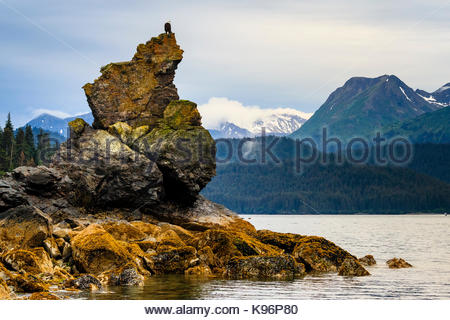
<point x="362" y="106"/>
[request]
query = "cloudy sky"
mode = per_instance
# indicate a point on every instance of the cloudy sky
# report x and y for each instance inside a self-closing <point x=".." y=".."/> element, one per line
<point x="265" y="54"/>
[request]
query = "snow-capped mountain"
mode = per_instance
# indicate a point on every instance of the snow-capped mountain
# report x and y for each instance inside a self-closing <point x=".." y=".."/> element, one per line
<point x="51" y="123"/>
<point x="279" y="124"/>
<point x="228" y="130"/>
<point x="440" y="97"/>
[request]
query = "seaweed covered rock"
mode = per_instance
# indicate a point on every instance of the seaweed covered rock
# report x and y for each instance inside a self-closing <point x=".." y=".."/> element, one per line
<point x="105" y="172"/>
<point x="96" y="251"/>
<point x="175" y="260"/>
<point x="4" y="290"/>
<point x="127" y="275"/>
<point x="367" y="260"/>
<point x="228" y="244"/>
<point x="84" y="282"/>
<point x="398" y="263"/>
<point x="33" y="261"/>
<point x="319" y="254"/>
<point x="352" y="268"/>
<point x="264" y="267"/>
<point x="136" y="91"/>
<point x="24" y="227"/>
<point x="43" y="296"/>
<point x="285" y="241"/>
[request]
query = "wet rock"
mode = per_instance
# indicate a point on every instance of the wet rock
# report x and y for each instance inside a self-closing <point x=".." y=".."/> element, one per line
<point x="127" y="275"/>
<point x="27" y="283"/>
<point x="367" y="260"/>
<point x="169" y="238"/>
<point x="4" y="290"/>
<point x="174" y="260"/>
<point x="285" y="241"/>
<point x="148" y="228"/>
<point x="136" y="92"/>
<point x="24" y="227"/>
<point x="319" y="254"/>
<point x="397" y="263"/>
<point x="228" y="244"/>
<point x="51" y="247"/>
<point x="352" y="268"/>
<point x="43" y="296"/>
<point x="200" y="270"/>
<point x="206" y="256"/>
<point x="264" y="267"/>
<point x="85" y="282"/>
<point x="34" y="261"/>
<point x="96" y="251"/>
<point x="124" y="231"/>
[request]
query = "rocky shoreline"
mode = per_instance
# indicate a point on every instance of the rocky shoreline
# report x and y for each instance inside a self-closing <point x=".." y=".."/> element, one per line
<point x="119" y="201"/>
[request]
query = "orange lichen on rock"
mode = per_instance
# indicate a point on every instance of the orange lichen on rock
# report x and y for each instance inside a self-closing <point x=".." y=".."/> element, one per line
<point x="43" y="296"/>
<point x="96" y="251"/>
<point x="319" y="254"/>
<point x="136" y="91"/>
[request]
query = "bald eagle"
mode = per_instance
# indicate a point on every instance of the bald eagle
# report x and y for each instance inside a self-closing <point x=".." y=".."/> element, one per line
<point x="168" y="28"/>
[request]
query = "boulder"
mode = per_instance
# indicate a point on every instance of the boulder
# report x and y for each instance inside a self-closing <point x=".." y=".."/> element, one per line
<point x="352" y="268"/>
<point x="127" y="275"/>
<point x="11" y="195"/>
<point x="4" y="290"/>
<point x="199" y="270"/>
<point x="24" y="227"/>
<point x="367" y="260"/>
<point x="34" y="261"/>
<point x="105" y="172"/>
<point x="137" y="91"/>
<point x="27" y="283"/>
<point x="95" y="251"/>
<point x="84" y="282"/>
<point x="175" y="260"/>
<point x="397" y="263"/>
<point x="228" y="244"/>
<point x="285" y="241"/>
<point x="264" y="267"/>
<point x="319" y="254"/>
<point x="124" y="231"/>
<point x="39" y="180"/>
<point x="183" y="150"/>
<point x="43" y="296"/>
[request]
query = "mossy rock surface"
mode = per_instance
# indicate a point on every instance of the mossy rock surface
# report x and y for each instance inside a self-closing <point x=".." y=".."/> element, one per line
<point x="182" y="114"/>
<point x="320" y="254"/>
<point x="96" y="251"/>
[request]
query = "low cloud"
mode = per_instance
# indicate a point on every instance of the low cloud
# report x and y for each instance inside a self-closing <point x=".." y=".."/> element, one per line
<point x="219" y="110"/>
<point x="56" y="113"/>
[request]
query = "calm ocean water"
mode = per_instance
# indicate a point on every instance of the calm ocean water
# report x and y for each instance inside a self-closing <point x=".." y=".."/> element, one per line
<point x="422" y="240"/>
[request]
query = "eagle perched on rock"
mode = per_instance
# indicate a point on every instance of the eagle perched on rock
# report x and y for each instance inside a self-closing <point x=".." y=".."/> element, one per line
<point x="168" y="28"/>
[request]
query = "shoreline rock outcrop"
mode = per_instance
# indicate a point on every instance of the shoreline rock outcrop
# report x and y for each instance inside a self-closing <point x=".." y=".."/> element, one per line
<point x="119" y="201"/>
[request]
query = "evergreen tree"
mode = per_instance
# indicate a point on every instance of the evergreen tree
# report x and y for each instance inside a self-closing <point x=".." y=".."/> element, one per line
<point x="19" y="152"/>
<point x="43" y="149"/>
<point x="29" y="146"/>
<point x="7" y="145"/>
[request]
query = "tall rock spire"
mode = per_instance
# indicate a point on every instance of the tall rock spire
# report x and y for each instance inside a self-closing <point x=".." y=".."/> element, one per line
<point x="136" y="91"/>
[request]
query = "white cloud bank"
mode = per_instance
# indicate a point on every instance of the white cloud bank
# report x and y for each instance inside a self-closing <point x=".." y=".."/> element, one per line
<point x="56" y="113"/>
<point x="219" y="110"/>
